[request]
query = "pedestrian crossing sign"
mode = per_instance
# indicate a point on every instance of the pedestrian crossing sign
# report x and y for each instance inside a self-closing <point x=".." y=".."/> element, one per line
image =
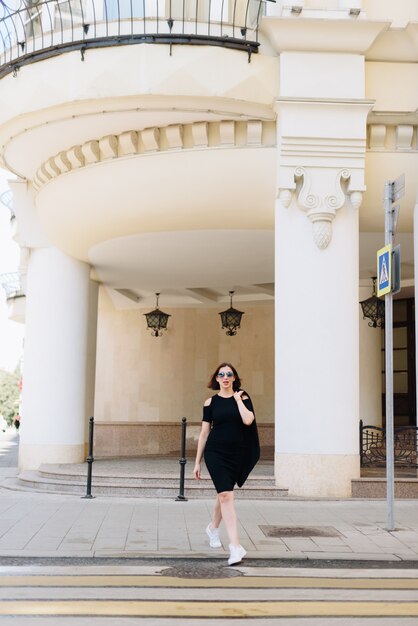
<point x="384" y="270"/>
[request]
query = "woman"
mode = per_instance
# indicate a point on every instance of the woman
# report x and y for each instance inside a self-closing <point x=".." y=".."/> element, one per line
<point x="229" y="441"/>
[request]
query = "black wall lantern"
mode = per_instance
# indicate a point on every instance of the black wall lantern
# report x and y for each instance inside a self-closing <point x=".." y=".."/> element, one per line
<point x="231" y="318"/>
<point x="157" y="320"/>
<point x="374" y="308"/>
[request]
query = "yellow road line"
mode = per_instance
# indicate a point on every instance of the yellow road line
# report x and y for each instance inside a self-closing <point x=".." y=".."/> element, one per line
<point x="239" y="582"/>
<point x="210" y="609"/>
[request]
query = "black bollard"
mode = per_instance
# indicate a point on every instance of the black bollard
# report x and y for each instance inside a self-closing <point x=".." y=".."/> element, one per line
<point x="180" y="497"/>
<point x="90" y="460"/>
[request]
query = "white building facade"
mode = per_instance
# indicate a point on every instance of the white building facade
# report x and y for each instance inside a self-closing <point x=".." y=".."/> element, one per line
<point x="191" y="150"/>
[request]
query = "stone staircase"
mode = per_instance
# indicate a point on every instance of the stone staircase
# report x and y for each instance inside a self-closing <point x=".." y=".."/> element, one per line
<point x="153" y="477"/>
<point x="373" y="487"/>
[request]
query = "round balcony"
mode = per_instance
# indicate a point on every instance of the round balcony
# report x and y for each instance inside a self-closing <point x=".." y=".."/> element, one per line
<point x="34" y="30"/>
<point x="141" y="140"/>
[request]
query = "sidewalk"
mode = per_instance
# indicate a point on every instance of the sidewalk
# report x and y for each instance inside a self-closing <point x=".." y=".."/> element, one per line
<point x="9" y="447"/>
<point x="51" y="525"/>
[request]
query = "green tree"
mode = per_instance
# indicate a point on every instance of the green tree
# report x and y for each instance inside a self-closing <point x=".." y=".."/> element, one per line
<point x="9" y="395"/>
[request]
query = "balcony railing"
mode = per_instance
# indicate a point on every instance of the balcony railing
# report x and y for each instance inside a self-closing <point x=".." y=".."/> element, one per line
<point x="12" y="285"/>
<point x="32" y="30"/>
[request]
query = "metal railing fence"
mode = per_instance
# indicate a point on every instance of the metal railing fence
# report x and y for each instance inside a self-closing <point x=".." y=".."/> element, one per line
<point x="373" y="446"/>
<point x="31" y="30"/>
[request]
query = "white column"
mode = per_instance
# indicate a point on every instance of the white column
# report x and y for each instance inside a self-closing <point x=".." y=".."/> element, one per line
<point x="370" y="366"/>
<point x="317" y="355"/>
<point x="56" y="381"/>
<point x="321" y="148"/>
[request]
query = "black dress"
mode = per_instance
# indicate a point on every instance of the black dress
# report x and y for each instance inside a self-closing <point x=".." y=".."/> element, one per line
<point x="232" y="448"/>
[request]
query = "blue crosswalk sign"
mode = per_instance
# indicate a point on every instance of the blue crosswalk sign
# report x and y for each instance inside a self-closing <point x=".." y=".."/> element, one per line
<point x="384" y="270"/>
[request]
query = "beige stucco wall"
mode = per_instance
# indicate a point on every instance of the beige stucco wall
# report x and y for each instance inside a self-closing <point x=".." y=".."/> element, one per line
<point x="144" y="378"/>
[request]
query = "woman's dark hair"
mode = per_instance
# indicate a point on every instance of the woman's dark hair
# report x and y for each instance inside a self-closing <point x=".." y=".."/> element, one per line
<point x="213" y="383"/>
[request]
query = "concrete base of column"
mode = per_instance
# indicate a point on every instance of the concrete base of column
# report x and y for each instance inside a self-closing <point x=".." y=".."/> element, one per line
<point x="31" y="456"/>
<point x="311" y="475"/>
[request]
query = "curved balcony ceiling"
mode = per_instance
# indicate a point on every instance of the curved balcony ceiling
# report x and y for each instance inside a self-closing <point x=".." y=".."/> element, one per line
<point x="180" y="190"/>
<point x="210" y="259"/>
<point x="117" y="215"/>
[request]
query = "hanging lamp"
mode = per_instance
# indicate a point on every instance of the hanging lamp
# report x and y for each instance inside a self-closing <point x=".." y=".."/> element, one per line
<point x="231" y="318"/>
<point x="374" y="308"/>
<point x="157" y="320"/>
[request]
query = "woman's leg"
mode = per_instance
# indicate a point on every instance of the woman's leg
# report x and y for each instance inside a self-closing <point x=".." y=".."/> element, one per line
<point x="229" y="516"/>
<point x="217" y="514"/>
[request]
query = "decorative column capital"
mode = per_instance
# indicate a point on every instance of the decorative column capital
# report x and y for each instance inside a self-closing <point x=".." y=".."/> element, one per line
<point x="321" y="208"/>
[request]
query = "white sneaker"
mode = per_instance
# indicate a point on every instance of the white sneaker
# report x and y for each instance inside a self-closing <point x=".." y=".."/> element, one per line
<point x="237" y="553"/>
<point x="213" y="534"/>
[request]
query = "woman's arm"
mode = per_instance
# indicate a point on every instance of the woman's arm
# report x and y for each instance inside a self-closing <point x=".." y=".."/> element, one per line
<point x="204" y="434"/>
<point x="247" y="416"/>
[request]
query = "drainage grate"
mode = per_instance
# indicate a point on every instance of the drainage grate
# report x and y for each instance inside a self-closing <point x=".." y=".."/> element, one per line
<point x="211" y="570"/>
<point x="300" y="531"/>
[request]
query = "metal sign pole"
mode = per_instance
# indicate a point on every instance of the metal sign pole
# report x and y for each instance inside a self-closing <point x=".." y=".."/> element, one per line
<point x="390" y="468"/>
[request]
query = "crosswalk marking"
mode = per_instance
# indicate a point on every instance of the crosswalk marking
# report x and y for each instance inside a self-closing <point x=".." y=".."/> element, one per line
<point x="210" y="609"/>
<point x="242" y="582"/>
<point x="74" y="595"/>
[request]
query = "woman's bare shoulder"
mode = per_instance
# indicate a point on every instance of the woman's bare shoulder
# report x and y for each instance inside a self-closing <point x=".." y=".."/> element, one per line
<point x="208" y="401"/>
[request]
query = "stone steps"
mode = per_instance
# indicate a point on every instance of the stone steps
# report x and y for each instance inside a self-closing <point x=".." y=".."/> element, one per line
<point x="375" y="487"/>
<point x="57" y="474"/>
<point x="51" y="480"/>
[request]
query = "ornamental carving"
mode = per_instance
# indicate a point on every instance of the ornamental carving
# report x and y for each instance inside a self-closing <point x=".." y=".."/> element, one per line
<point x="320" y="208"/>
<point x="199" y="135"/>
<point x="321" y="231"/>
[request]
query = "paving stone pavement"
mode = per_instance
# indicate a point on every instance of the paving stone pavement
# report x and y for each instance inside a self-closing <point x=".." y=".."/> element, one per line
<point x="52" y="525"/>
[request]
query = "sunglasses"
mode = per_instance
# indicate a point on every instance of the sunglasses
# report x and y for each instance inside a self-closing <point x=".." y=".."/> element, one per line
<point x="227" y="374"/>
